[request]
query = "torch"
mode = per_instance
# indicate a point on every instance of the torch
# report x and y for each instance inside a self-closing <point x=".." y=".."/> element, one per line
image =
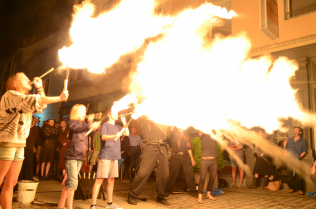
<point x="49" y="71"/>
<point x="66" y="80"/>
<point x="123" y="129"/>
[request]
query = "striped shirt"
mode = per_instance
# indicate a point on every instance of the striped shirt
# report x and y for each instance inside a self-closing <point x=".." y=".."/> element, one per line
<point x="16" y="111"/>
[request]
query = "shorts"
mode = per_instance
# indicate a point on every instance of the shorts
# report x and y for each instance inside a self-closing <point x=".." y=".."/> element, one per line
<point x="107" y="169"/>
<point x="94" y="157"/>
<point x="11" y="153"/>
<point x="38" y="154"/>
<point x="47" y="155"/>
<point x="72" y="168"/>
<point x="120" y="161"/>
<point x="233" y="162"/>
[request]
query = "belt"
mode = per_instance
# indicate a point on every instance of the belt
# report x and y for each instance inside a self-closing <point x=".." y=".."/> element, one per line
<point x="158" y="146"/>
<point x="208" y="158"/>
<point x="180" y="153"/>
<point x="134" y="146"/>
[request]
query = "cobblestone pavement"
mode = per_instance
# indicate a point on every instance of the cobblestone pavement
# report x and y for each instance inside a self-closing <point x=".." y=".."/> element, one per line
<point x="48" y="195"/>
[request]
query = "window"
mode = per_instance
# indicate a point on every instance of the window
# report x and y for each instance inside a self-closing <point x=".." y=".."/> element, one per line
<point x="295" y="8"/>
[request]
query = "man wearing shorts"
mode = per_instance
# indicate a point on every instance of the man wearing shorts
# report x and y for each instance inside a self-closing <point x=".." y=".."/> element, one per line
<point x="47" y="154"/>
<point x="109" y="155"/>
<point x="239" y="152"/>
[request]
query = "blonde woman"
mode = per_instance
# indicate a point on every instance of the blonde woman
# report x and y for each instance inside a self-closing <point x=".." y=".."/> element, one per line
<point x="16" y="110"/>
<point x="76" y="151"/>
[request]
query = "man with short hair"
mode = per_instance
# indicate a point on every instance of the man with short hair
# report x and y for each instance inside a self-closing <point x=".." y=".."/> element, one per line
<point x="135" y="143"/>
<point x="297" y="146"/>
<point x="47" y="156"/>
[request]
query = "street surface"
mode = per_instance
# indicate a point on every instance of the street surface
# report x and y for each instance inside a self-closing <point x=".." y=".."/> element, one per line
<point x="48" y="194"/>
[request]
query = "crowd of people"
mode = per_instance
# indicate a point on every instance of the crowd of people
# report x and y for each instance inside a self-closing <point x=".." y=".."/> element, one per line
<point x="58" y="150"/>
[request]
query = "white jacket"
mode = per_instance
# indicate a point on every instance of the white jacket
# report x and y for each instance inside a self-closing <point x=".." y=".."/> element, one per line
<point x="16" y="112"/>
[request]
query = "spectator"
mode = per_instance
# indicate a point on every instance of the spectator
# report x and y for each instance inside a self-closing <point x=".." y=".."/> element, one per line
<point x="125" y="144"/>
<point x="181" y="157"/>
<point x="239" y="152"/>
<point x="48" y="151"/>
<point x="263" y="165"/>
<point x="136" y="148"/>
<point x="96" y="146"/>
<point x="64" y="140"/>
<point x="28" y="163"/>
<point x="39" y="146"/>
<point x="56" y="171"/>
<point x="297" y="146"/>
<point x="208" y="164"/>
<point x="76" y="151"/>
<point x="313" y="175"/>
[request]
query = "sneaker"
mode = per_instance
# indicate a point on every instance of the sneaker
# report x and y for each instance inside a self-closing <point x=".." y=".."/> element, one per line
<point x="239" y="185"/>
<point x="113" y="205"/>
<point x="232" y="185"/>
<point x="93" y="207"/>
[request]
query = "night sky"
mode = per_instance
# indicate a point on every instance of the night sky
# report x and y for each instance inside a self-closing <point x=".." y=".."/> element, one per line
<point x="31" y="19"/>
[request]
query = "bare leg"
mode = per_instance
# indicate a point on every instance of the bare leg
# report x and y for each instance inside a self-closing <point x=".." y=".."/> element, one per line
<point x="11" y="180"/>
<point x="90" y="167"/>
<point x="63" y="198"/>
<point x="234" y="175"/>
<point x="65" y="177"/>
<point x="95" y="191"/>
<point x="38" y="165"/>
<point x="42" y="169"/>
<point x="70" y="198"/>
<point x="5" y="166"/>
<point x="109" y="189"/>
<point x="47" y="169"/>
<point x="241" y="178"/>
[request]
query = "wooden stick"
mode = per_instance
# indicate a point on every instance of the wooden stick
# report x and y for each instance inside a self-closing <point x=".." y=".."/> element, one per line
<point x="66" y="80"/>
<point x="49" y="71"/>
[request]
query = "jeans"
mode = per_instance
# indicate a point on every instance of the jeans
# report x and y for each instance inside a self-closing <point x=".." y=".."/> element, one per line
<point x="72" y="168"/>
<point x="294" y="181"/>
<point x="211" y="167"/>
<point x="14" y="154"/>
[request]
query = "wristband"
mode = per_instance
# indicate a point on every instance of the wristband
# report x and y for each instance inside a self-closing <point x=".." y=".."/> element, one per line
<point x="40" y="88"/>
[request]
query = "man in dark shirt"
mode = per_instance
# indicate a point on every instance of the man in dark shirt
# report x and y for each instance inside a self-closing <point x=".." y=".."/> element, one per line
<point x="48" y="148"/>
<point x="297" y="146"/>
<point x="28" y="163"/>
<point x="181" y="157"/>
<point x="154" y="153"/>
<point x="208" y="163"/>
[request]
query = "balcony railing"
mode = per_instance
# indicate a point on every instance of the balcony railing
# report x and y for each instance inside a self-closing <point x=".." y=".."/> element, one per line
<point x="300" y="12"/>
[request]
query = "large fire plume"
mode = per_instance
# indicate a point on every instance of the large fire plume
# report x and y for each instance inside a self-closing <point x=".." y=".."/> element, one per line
<point x="98" y="42"/>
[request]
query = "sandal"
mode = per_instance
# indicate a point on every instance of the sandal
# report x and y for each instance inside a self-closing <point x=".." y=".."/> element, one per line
<point x="200" y="200"/>
<point x="210" y="197"/>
